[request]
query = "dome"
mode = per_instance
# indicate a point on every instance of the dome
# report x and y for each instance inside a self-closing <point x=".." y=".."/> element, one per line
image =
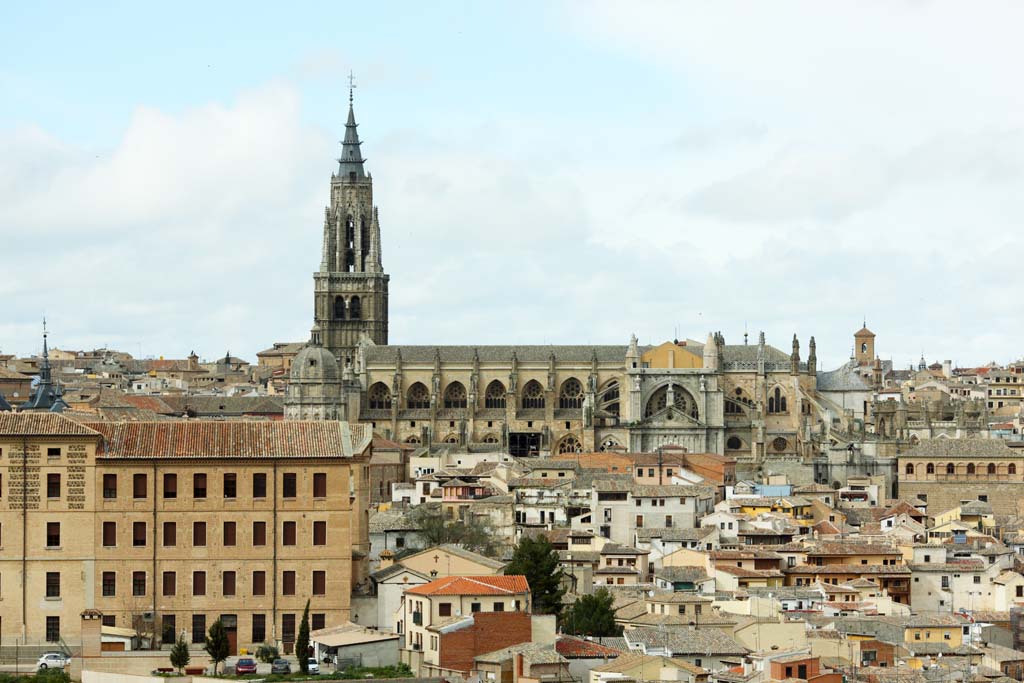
<point x="315" y="364"/>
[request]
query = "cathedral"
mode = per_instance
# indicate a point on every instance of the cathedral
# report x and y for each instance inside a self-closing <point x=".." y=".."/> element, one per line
<point x="749" y="400"/>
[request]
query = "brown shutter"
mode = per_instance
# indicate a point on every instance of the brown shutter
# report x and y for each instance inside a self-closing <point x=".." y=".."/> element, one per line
<point x="320" y="485"/>
<point x="319" y="533"/>
<point x="259" y="533"/>
<point x="319" y="583"/>
<point x="198" y="583"/>
<point x="229" y="533"/>
<point x="259" y="583"/>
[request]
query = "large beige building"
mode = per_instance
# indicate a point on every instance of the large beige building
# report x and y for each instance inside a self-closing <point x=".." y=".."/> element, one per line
<point x="166" y="527"/>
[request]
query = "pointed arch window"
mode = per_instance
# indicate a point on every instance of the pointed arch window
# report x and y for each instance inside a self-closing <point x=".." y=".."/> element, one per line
<point x="777" y="402"/>
<point x="380" y="397"/>
<point x="418" y="398"/>
<point x="455" y="396"/>
<point x="571" y="395"/>
<point x="355" y="308"/>
<point x="570" y="444"/>
<point x="681" y="399"/>
<point x="533" y="395"/>
<point x="609" y="398"/>
<point x="494" y="396"/>
<point x="339" y="308"/>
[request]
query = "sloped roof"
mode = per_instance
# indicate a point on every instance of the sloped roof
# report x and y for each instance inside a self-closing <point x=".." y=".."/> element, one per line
<point x="960" y="448"/>
<point x="490" y="354"/>
<point x="42" y="424"/>
<point x="474" y="585"/>
<point x="571" y="647"/>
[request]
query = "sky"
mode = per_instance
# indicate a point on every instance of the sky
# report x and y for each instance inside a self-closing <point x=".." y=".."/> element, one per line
<point x="546" y="172"/>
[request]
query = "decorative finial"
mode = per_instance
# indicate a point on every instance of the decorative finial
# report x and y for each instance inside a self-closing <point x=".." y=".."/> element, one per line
<point x="351" y="86"/>
<point x="44" y="327"/>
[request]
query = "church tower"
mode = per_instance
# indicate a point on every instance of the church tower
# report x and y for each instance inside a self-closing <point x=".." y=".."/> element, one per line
<point x="350" y="288"/>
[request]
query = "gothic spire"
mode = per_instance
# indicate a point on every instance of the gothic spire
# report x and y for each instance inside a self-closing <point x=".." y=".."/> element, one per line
<point x="350" y="164"/>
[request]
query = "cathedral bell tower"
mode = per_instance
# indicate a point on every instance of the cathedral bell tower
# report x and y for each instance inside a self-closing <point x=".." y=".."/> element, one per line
<point x="351" y="288"/>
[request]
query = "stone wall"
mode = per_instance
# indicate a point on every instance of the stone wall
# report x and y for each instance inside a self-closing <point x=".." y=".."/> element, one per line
<point x="1006" y="498"/>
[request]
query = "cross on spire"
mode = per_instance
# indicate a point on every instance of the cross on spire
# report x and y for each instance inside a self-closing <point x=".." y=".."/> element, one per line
<point x="351" y="85"/>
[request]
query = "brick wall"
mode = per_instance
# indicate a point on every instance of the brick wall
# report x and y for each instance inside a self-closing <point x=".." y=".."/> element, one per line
<point x="490" y="631"/>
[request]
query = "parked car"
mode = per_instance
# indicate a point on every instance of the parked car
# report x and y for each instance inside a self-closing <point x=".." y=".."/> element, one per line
<point x="280" y="666"/>
<point x="245" y="665"/>
<point x="313" y="666"/>
<point x="53" y="660"/>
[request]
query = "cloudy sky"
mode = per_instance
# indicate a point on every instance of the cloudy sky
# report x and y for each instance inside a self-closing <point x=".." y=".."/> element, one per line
<point x="546" y="172"/>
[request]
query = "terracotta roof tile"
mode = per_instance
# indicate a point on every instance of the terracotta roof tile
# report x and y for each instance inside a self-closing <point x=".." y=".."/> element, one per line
<point x="474" y="585"/>
<point x="41" y="424"/>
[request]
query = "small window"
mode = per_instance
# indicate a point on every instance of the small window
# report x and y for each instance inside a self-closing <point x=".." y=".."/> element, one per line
<point x="170" y="534"/>
<point x="444" y="609"/>
<point x="53" y="485"/>
<point x="230" y="485"/>
<point x="228" y="583"/>
<point x="288" y="487"/>
<point x="170" y="583"/>
<point x="259" y="583"/>
<point x="109" y="486"/>
<point x="53" y="629"/>
<point x="198" y="534"/>
<point x="53" y="584"/>
<point x="138" y="534"/>
<point x="319" y="582"/>
<point x="259" y="628"/>
<point x="109" y="584"/>
<point x="53" y="534"/>
<point x="198" y="583"/>
<point x="259" y="533"/>
<point x="170" y="485"/>
<point x="199" y="629"/>
<point x="229" y="533"/>
<point x="259" y="485"/>
<point x="499" y="607"/>
<point x="139" y="486"/>
<point x="288" y="533"/>
<point x="319" y="533"/>
<point x="320" y="485"/>
<point x="138" y="584"/>
<point x="199" y="485"/>
<point x="53" y="452"/>
<point x="109" y="534"/>
<point x="288" y="583"/>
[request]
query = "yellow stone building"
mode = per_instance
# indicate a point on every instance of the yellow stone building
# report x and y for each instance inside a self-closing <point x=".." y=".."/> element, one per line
<point x="165" y="527"/>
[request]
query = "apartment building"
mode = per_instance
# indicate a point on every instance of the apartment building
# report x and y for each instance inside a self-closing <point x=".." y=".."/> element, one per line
<point x="165" y="527"/>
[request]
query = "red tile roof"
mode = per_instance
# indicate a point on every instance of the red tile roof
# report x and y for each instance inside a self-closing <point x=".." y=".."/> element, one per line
<point x="474" y="585"/>
<point x="568" y="646"/>
<point x="41" y="424"/>
<point x="209" y="439"/>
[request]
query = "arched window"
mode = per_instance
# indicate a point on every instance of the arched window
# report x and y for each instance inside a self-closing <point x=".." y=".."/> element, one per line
<point x="533" y="395"/>
<point x="355" y="310"/>
<point x="950" y="468"/>
<point x="494" y="395"/>
<point x="682" y="400"/>
<point x="491" y="438"/>
<point x="779" y="444"/>
<point x="1011" y="468"/>
<point x="339" y="308"/>
<point x="734" y="443"/>
<point x="929" y="468"/>
<point x="451" y="438"/>
<point x="970" y="468"/>
<point x="910" y="468"/>
<point x="569" y="444"/>
<point x="991" y="469"/>
<point x="609" y="443"/>
<point x="418" y="398"/>
<point x="571" y="395"/>
<point x="455" y="396"/>
<point x="777" y="401"/>
<point x="609" y="398"/>
<point x="380" y="397"/>
<point x="413" y="440"/>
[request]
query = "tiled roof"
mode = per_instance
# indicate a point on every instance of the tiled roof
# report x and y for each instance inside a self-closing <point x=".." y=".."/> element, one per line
<point x="672" y="491"/>
<point x="851" y="548"/>
<point x="474" y="585"/>
<point x="960" y="448"/>
<point x="578" y="648"/>
<point x="619" y="549"/>
<point x="700" y="641"/>
<point x="208" y="439"/>
<point x="849" y="569"/>
<point x="41" y="424"/>
<point x="502" y="354"/>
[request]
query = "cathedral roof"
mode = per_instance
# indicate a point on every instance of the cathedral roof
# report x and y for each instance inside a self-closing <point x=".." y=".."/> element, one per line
<point x="351" y="160"/>
<point x="528" y="354"/>
<point x="315" y="364"/>
<point x="844" y="378"/>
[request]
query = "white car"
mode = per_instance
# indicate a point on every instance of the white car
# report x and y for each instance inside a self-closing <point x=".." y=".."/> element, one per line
<point x="313" y="666"/>
<point x="53" y="660"/>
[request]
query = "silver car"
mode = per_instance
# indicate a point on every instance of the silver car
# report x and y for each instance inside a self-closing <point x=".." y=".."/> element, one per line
<point x="53" y="660"/>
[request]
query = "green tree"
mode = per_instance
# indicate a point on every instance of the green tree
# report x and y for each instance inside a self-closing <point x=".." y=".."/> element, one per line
<point x="592" y="615"/>
<point x="267" y="653"/>
<point x="471" y="533"/>
<point x="217" y="645"/>
<point x="302" y="641"/>
<point x="535" y="559"/>
<point x="180" y="656"/>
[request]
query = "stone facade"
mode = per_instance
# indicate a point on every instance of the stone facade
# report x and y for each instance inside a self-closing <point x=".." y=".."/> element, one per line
<point x="945" y="472"/>
<point x="161" y="526"/>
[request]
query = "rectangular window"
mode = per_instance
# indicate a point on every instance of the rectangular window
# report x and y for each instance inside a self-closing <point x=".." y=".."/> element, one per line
<point x="319" y="533"/>
<point x="168" y="629"/>
<point x="259" y="583"/>
<point x="138" y="583"/>
<point x="474" y="607"/>
<point x="288" y="628"/>
<point x="320" y="485"/>
<point x="259" y="628"/>
<point x="198" y="534"/>
<point x="53" y="452"/>
<point x="53" y="584"/>
<point x="53" y="534"/>
<point x="198" y="583"/>
<point x="109" y="584"/>
<point x="199" y="485"/>
<point x="109" y="620"/>
<point x="259" y="533"/>
<point x="138" y="534"/>
<point x="229" y="533"/>
<point x="170" y="583"/>
<point x="444" y="609"/>
<point x="53" y="485"/>
<point x="109" y="486"/>
<point x="52" y="629"/>
<point x="319" y="582"/>
<point x="170" y="534"/>
<point x="199" y="628"/>
<point x="288" y="487"/>
<point x="259" y="486"/>
<point x="317" y="621"/>
<point x="288" y="583"/>
<point x="230" y="485"/>
<point x="499" y="607"/>
<point x="139" y="486"/>
<point x="109" y="534"/>
<point x="288" y="533"/>
<point x="229" y="583"/>
<point x="170" y="485"/>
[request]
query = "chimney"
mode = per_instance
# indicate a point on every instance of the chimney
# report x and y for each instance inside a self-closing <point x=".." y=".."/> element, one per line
<point x="92" y="627"/>
<point x="387" y="558"/>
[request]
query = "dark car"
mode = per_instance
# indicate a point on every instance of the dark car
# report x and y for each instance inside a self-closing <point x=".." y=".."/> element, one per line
<point x="245" y="665"/>
<point x="280" y="666"/>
